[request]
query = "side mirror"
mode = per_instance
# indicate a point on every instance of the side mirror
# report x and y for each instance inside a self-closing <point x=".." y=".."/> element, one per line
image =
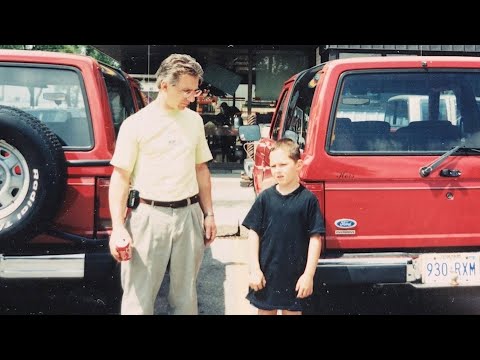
<point x="249" y="133"/>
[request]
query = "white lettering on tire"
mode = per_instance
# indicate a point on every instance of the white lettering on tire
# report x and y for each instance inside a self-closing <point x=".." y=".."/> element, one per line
<point x="32" y="195"/>
<point x="5" y="225"/>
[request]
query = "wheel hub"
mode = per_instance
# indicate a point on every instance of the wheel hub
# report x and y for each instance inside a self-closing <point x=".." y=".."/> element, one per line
<point x="14" y="178"/>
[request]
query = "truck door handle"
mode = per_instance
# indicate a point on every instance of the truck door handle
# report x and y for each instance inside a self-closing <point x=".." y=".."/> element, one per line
<point x="450" y="173"/>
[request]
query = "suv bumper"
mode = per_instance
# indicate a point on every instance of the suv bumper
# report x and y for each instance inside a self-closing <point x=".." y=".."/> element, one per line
<point x="89" y="266"/>
<point x="374" y="268"/>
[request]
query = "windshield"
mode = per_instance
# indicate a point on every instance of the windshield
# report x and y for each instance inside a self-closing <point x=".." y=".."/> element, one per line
<point x="406" y="112"/>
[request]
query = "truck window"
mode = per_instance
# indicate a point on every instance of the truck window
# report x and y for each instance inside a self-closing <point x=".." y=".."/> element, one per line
<point x="405" y="112"/>
<point x="396" y="113"/>
<point x="119" y="96"/>
<point x="298" y="111"/>
<point x="139" y="98"/>
<point x="278" y="116"/>
<point x="447" y="108"/>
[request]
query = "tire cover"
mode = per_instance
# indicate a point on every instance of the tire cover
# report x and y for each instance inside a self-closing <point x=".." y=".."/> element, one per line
<point x="32" y="177"/>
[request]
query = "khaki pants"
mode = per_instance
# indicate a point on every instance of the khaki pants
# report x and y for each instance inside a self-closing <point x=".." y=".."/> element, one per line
<point x="160" y="235"/>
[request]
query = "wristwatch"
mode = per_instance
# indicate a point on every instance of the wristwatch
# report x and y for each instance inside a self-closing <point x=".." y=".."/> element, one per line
<point x="208" y="214"/>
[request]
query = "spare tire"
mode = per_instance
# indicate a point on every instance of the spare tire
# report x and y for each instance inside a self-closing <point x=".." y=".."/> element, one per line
<point x="33" y="177"/>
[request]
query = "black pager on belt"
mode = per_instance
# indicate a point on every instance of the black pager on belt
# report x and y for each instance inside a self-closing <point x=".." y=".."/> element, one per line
<point x="133" y="199"/>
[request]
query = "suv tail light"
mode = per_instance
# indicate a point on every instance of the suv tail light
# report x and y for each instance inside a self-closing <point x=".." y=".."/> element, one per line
<point x="103" y="222"/>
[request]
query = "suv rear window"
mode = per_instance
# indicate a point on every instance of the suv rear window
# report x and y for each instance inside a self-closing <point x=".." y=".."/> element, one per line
<point x="56" y="96"/>
<point x="406" y="112"/>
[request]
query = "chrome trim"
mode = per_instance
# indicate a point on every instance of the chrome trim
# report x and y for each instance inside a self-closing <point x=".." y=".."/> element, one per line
<point x="45" y="266"/>
<point x="367" y="259"/>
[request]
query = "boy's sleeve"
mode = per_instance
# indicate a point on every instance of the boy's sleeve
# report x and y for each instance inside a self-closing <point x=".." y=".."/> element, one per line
<point x="316" y="224"/>
<point x="254" y="219"/>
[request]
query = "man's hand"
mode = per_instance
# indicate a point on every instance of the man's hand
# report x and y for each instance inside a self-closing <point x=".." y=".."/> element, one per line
<point x="210" y="230"/>
<point x="118" y="234"/>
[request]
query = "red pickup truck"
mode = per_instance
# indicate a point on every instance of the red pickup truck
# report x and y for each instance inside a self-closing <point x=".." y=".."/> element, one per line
<point x="399" y="195"/>
<point x="59" y="116"/>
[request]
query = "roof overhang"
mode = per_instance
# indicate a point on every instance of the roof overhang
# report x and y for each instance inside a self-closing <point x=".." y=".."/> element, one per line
<point x="146" y="58"/>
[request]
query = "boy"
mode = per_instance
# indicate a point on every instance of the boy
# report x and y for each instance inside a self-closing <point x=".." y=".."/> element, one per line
<point x="285" y="227"/>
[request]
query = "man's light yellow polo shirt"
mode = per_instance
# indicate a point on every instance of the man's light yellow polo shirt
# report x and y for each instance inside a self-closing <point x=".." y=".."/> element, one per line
<point x="161" y="149"/>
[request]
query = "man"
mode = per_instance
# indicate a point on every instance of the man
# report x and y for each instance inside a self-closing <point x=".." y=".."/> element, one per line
<point x="162" y="152"/>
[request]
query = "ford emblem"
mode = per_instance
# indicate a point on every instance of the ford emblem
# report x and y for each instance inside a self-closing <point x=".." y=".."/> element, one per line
<point x="345" y="223"/>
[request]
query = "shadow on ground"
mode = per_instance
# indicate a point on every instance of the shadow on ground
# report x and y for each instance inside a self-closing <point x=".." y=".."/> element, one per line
<point x="52" y="298"/>
<point x="395" y="300"/>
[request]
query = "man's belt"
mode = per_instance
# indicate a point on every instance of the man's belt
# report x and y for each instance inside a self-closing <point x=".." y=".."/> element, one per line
<point x="172" y="204"/>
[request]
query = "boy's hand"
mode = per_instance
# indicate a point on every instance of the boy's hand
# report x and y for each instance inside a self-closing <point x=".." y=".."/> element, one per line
<point x="257" y="280"/>
<point x="304" y="286"/>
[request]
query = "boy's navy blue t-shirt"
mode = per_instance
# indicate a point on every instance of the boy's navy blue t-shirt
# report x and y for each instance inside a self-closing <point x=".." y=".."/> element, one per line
<point x="284" y="224"/>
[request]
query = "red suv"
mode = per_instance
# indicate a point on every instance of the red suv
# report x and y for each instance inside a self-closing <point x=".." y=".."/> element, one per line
<point x="59" y="116"/>
<point x="399" y="193"/>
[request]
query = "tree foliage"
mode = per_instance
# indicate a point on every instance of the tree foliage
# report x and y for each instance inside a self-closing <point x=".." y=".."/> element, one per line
<point x="72" y="49"/>
<point x="91" y="51"/>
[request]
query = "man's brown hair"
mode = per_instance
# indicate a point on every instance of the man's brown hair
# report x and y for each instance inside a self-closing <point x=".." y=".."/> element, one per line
<point x="176" y="65"/>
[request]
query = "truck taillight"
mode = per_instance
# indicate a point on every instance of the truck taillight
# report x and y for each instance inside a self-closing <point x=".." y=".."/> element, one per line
<point x="103" y="220"/>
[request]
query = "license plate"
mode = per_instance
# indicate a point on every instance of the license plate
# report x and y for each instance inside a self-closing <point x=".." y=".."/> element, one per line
<point x="451" y="269"/>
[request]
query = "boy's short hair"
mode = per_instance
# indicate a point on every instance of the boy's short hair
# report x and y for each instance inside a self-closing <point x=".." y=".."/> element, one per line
<point x="289" y="146"/>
